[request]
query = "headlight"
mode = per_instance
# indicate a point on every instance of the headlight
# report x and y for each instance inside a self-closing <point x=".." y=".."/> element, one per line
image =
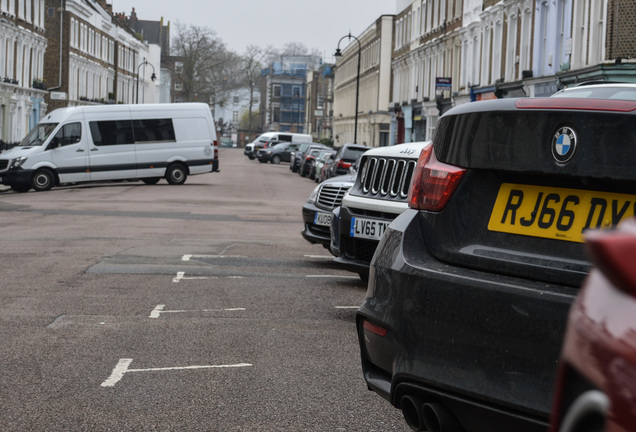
<point x="314" y="195"/>
<point x="17" y="162"/>
<point x="269" y="152"/>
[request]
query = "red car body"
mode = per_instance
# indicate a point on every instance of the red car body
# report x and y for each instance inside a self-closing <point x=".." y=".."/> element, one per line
<point x="596" y="385"/>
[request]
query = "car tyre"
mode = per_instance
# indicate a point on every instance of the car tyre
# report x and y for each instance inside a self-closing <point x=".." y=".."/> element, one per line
<point x="43" y="180"/>
<point x="151" y="180"/>
<point x="176" y="174"/>
<point x="276" y="159"/>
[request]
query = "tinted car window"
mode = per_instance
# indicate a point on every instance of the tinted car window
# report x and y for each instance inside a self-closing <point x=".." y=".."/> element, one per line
<point x="153" y="130"/>
<point x="353" y="153"/>
<point x="112" y="132"/>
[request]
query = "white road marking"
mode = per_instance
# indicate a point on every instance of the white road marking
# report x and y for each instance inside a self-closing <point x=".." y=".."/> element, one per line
<point x="118" y="372"/>
<point x="156" y="311"/>
<point x="332" y="276"/>
<point x="347" y="307"/>
<point x="122" y="368"/>
<point x="189" y="257"/>
<point x="159" y="309"/>
<point x="181" y="276"/>
<point x="319" y="256"/>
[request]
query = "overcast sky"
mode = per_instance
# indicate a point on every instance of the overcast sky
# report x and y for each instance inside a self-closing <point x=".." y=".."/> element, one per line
<point x="239" y="23"/>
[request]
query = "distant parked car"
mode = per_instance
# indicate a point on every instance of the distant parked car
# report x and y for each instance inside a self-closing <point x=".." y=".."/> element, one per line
<point x="317" y="211"/>
<point x="252" y="148"/>
<point x="596" y="385"/>
<point x="276" y="154"/>
<point x="299" y="155"/>
<point x="317" y="163"/>
<point x="344" y="157"/>
<point x="304" y="169"/>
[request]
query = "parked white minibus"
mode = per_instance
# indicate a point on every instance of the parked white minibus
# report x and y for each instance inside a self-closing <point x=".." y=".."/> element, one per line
<point x="114" y="142"/>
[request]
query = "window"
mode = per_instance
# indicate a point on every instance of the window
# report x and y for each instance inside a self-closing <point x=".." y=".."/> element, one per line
<point x="112" y="132"/>
<point x="68" y="134"/>
<point x="178" y="67"/>
<point x="178" y="85"/>
<point x="236" y="100"/>
<point x="276" y="91"/>
<point x="235" y="116"/>
<point x="153" y="130"/>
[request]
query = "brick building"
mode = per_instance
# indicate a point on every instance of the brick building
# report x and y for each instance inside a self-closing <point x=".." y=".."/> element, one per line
<point x="22" y="47"/>
<point x="92" y="56"/>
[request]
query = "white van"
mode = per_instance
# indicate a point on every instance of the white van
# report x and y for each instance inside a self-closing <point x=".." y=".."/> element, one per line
<point x="252" y="148"/>
<point x="114" y="142"/>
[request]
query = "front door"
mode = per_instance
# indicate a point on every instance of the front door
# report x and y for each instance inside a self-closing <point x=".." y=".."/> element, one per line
<point x="68" y="153"/>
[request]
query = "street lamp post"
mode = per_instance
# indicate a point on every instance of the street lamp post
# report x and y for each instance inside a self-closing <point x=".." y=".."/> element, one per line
<point x="339" y="54"/>
<point x="153" y="77"/>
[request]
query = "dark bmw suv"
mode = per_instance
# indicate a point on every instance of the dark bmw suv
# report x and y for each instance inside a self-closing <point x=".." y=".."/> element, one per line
<point x="469" y="289"/>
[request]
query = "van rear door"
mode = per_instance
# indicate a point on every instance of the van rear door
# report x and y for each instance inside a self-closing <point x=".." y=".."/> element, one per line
<point x="111" y="145"/>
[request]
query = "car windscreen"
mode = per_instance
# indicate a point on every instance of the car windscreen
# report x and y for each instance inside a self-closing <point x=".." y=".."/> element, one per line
<point x="38" y="134"/>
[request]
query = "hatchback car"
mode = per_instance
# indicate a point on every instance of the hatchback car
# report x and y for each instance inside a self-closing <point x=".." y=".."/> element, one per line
<point x="596" y="386"/>
<point x="470" y="288"/>
<point x="278" y="153"/>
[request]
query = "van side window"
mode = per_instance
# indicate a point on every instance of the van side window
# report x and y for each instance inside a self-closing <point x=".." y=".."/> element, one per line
<point x="153" y="130"/>
<point x="112" y="132"/>
<point x="69" y="134"/>
<point x="287" y="138"/>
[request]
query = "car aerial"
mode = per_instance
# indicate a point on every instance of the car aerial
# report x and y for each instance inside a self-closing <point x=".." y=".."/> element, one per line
<point x="317" y="211"/>
<point x="378" y="196"/>
<point x="276" y="154"/>
<point x="299" y="155"/>
<point x="597" y="371"/>
<point x="344" y="157"/>
<point x="470" y="288"/>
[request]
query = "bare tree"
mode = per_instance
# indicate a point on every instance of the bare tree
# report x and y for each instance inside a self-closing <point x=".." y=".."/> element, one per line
<point x="252" y="66"/>
<point x="209" y="68"/>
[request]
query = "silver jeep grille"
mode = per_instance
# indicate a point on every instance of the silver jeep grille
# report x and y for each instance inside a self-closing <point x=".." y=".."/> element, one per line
<point x="385" y="177"/>
<point x="330" y="195"/>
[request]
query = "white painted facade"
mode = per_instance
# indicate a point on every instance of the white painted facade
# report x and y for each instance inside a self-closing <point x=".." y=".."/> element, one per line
<point x="22" y="48"/>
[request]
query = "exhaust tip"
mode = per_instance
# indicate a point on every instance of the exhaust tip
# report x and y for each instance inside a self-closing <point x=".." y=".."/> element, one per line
<point x="412" y="413"/>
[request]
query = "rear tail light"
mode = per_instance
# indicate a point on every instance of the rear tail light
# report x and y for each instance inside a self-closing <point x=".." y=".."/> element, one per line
<point x="343" y="164"/>
<point x="374" y="328"/>
<point x="614" y="254"/>
<point x="433" y="182"/>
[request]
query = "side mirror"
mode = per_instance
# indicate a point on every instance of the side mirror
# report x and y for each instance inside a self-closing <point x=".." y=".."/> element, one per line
<point x="55" y="143"/>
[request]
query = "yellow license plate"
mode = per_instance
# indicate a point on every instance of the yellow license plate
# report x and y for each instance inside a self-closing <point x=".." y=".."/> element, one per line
<point x="557" y="213"/>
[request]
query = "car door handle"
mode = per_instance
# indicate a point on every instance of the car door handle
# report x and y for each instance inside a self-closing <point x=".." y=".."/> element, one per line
<point x="79" y="150"/>
<point x="94" y="149"/>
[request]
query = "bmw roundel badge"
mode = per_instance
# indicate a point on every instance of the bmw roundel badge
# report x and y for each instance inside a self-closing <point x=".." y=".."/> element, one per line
<point x="563" y="144"/>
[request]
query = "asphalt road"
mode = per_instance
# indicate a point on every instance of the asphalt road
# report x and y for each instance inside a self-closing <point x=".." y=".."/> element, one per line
<point x="195" y="307"/>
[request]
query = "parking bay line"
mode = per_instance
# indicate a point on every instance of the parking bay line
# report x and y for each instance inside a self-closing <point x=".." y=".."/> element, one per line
<point x="122" y="368"/>
<point x="159" y="309"/>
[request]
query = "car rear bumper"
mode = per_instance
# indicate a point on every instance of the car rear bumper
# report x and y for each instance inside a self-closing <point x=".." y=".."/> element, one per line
<point x="487" y="345"/>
